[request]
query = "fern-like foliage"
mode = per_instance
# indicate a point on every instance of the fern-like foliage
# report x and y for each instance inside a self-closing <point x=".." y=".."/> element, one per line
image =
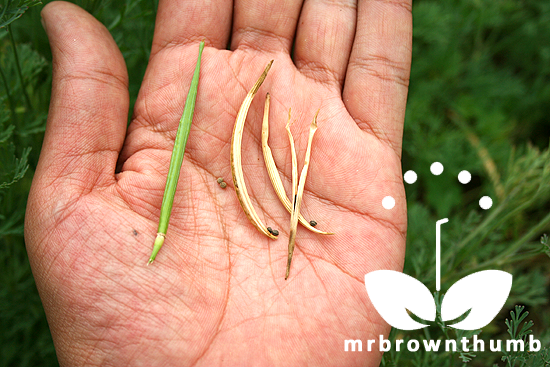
<point x="11" y="10"/>
<point x="519" y="329"/>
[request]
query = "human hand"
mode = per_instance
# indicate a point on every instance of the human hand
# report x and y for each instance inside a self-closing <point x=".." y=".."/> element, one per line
<point x="216" y="294"/>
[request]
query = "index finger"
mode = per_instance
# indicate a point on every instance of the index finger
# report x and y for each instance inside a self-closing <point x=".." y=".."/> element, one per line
<point x="181" y="22"/>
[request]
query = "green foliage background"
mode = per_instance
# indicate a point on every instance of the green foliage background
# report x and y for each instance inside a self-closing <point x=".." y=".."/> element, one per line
<point x="479" y="100"/>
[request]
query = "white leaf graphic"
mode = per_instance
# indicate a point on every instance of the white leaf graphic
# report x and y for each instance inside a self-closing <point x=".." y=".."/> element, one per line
<point x="392" y="293"/>
<point x="483" y="292"/>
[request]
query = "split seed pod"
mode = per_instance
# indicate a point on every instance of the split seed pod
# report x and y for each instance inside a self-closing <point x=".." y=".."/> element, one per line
<point x="236" y="162"/>
<point x="298" y="188"/>
<point x="274" y="173"/>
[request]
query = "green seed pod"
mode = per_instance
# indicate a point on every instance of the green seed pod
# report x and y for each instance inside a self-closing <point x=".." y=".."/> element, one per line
<point x="176" y="159"/>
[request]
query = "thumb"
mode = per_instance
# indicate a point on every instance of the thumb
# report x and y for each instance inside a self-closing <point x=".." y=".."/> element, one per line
<point x="89" y="103"/>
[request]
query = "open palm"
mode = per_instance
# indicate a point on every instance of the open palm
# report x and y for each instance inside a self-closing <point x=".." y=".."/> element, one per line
<point x="216" y="294"/>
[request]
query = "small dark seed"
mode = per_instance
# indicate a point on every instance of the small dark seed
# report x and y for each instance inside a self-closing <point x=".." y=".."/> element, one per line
<point x="312" y="223"/>
<point x="275" y="232"/>
<point x="269" y="230"/>
<point x="220" y="180"/>
<point x="223" y="185"/>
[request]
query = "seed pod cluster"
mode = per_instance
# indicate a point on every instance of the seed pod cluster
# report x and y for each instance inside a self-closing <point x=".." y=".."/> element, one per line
<point x="274" y="173"/>
<point x="297" y="184"/>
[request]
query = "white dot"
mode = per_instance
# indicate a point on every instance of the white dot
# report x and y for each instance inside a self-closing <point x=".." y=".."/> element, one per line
<point x="410" y="177"/>
<point x="464" y="177"/>
<point x="388" y="202"/>
<point x="436" y="168"/>
<point x="485" y="202"/>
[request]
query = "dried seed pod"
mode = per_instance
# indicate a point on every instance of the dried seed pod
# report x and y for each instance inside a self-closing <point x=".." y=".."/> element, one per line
<point x="274" y="173"/>
<point x="236" y="162"/>
<point x="299" y="191"/>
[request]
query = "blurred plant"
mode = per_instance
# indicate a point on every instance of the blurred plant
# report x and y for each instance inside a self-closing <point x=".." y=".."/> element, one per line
<point x="11" y="10"/>
<point x="25" y="337"/>
<point x="25" y="84"/>
<point x="479" y="91"/>
<point x="545" y="244"/>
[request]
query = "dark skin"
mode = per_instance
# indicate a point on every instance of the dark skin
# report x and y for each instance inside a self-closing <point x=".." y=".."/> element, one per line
<point x="216" y="294"/>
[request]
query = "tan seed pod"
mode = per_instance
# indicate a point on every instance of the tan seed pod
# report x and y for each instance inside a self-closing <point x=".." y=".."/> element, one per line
<point x="274" y="173"/>
<point x="298" y="188"/>
<point x="236" y="162"/>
